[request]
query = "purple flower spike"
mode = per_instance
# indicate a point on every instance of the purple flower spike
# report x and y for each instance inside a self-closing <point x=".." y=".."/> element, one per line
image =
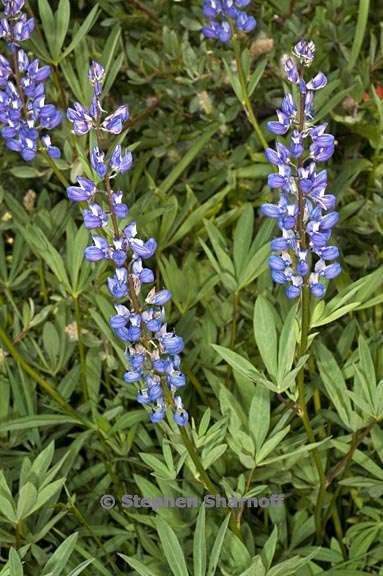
<point x="24" y="115"/>
<point x="305" y="213"/>
<point x="139" y="321"/>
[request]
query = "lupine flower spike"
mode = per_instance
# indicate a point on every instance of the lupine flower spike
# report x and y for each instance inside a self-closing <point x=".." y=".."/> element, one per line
<point x="305" y="212"/>
<point x="24" y="115"/>
<point x="152" y="351"/>
<point x="224" y="16"/>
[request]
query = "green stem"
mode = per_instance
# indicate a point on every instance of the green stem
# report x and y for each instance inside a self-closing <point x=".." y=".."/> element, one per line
<point x="18" y="529"/>
<point x="246" y="102"/>
<point x="53" y="165"/>
<point x="44" y="385"/>
<point x="81" y="348"/>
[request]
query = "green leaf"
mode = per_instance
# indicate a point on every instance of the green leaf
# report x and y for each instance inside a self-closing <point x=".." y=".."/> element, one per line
<point x="334" y="383"/>
<point x="237" y="362"/>
<point x="256" y="76"/>
<point x="7" y="507"/>
<point x="35" y="421"/>
<point x="287" y="345"/>
<point x="360" y="30"/>
<point x="62" y="24"/>
<point x="172" y="548"/>
<point x="82" y="31"/>
<point x="15" y="565"/>
<point x="48" y="23"/>
<point x="139" y="566"/>
<point x="242" y="238"/>
<point x="75" y="255"/>
<point x="259" y="415"/>
<point x="265" y="333"/>
<point x="268" y="550"/>
<point x="26" y="501"/>
<point x="81" y="567"/>
<point x="40" y="244"/>
<point x="220" y="249"/>
<point x="59" y="559"/>
<point x="109" y="51"/>
<point x="46" y="494"/>
<point x="271" y="444"/>
<point x="194" y="150"/>
<point x="199" y="544"/>
<point x="255" y="267"/>
<point x="350" y="298"/>
<point x="234" y="81"/>
<point x="217" y="547"/>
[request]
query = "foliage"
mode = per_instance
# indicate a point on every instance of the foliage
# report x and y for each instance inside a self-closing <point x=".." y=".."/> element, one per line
<point x="199" y="179"/>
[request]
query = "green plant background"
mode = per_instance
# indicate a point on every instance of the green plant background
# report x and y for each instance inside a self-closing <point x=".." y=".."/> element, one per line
<point x="70" y="429"/>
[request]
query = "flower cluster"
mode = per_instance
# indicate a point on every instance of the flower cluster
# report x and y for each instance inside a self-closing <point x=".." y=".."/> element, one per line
<point x="151" y="350"/>
<point x="224" y="16"/>
<point x="305" y="212"/>
<point x="24" y="116"/>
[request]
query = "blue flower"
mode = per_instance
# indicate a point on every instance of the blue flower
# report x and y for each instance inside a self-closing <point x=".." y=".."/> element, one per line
<point x="119" y="162"/>
<point x="304" y="212"/>
<point x="114" y="123"/>
<point x="97" y="159"/>
<point x="82" y="193"/>
<point x="81" y="119"/>
<point x="24" y="116"/>
<point x="139" y="321"/>
<point x="224" y="16"/>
